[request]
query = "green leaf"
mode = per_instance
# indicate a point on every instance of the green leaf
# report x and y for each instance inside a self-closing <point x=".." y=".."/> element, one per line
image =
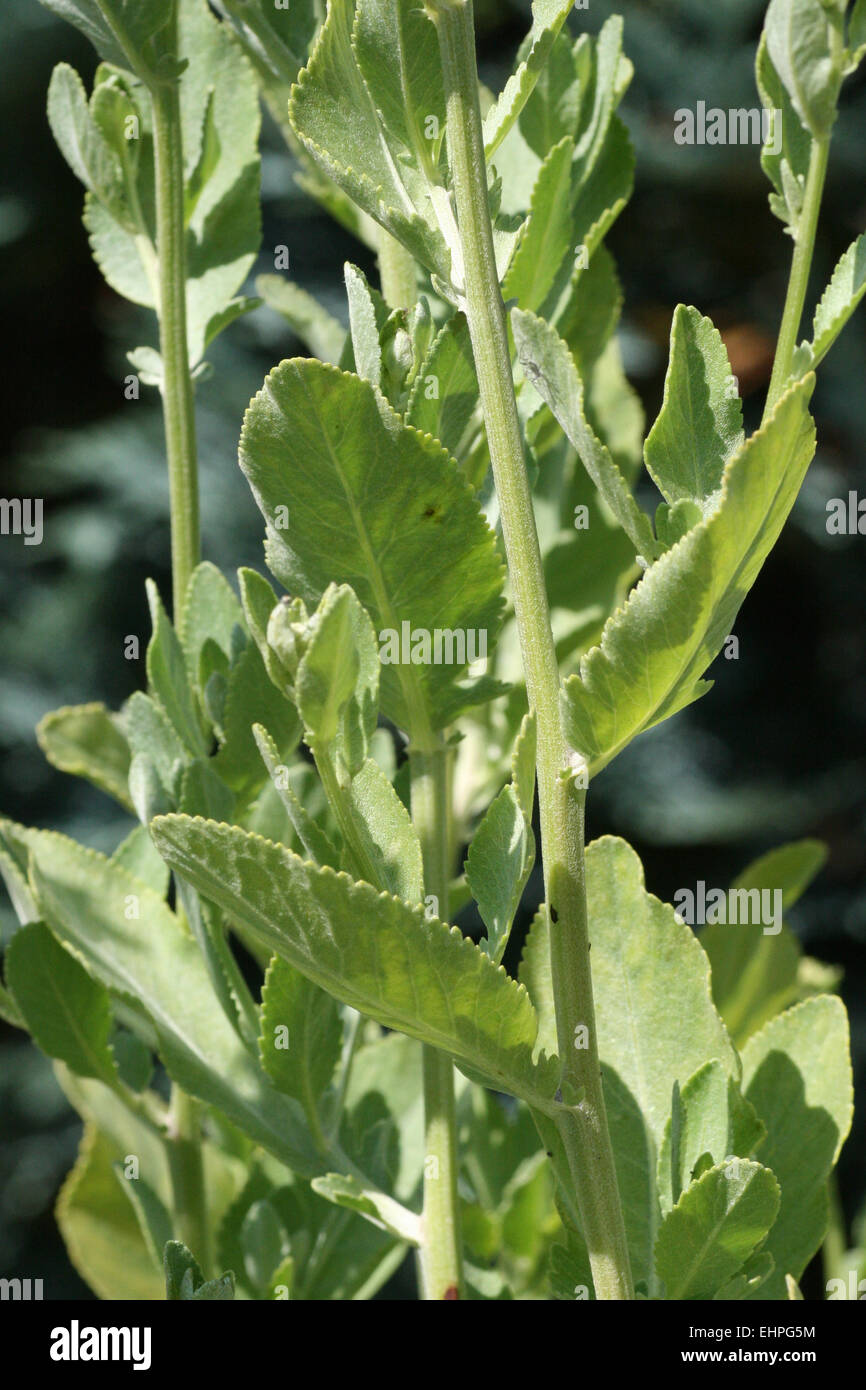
<point x="502" y="852"/>
<point x="132" y="1058"/>
<point x="548" y="17"/>
<point x="87" y="741"/>
<point x="336" y="119"/>
<point x="650" y="976"/>
<point x="611" y="74"/>
<point x="407" y="971"/>
<point x="149" y="959"/>
<point x="259" y="602"/>
<point x="121" y="30"/>
<point x="9" y="1011"/>
<point x="185" y="1281"/>
<point x="846" y="288"/>
<point x="589" y="310"/>
<point x="203" y="794"/>
<point x="81" y="141"/>
<point x="654" y="650"/>
<point x="714" y="1228"/>
<point x="397" y="50"/>
<point x="786" y="150"/>
<point x="368" y="314"/>
<point x="318" y="330"/>
<point x="801" y="48"/>
<point x="700" y="424"/>
<point x="276" y="39"/>
<point x="313" y="839"/>
<point x="153" y="1218"/>
<point x="264" y="1241"/>
<point x="547" y="237"/>
<point x="553" y="109"/>
<point x="656" y="1025"/>
<point x="444" y="398"/>
<point x="301" y="1037"/>
<point x="756" y="973"/>
<point x="413" y="544"/>
<point x="346" y="1191"/>
<point x="167" y="677"/>
<point x="388" y="840"/>
<point x="711" y="1117"/>
<point x="211" y="611"/>
<point x="252" y="699"/>
<point x="856" y="36"/>
<point x="755" y="1272"/>
<point x="137" y="855"/>
<point x="547" y="363"/>
<point x="536" y="975"/>
<point x="337" y="683"/>
<point x="153" y="738"/>
<point x="217" y="94"/>
<point x="797" y="1075"/>
<point x="68" y="1013"/>
<point x="99" y="1224"/>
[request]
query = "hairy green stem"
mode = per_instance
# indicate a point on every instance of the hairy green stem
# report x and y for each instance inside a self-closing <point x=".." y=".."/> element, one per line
<point x="440" y="1255"/>
<point x="186" y="1170"/>
<point x="581" y="1120"/>
<point x="801" y="265"/>
<point x="440" y="1258"/>
<point x="177" y="394"/>
<point x="185" y="1162"/>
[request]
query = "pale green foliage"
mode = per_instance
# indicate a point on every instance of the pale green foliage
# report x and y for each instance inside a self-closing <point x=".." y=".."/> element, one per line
<point x="108" y="143"/>
<point x="724" y="1057"/>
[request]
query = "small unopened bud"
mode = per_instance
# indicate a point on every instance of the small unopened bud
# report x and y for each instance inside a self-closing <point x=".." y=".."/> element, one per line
<point x="287" y="636"/>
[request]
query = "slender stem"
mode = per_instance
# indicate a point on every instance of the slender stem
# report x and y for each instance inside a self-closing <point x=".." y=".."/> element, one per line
<point x="186" y="1169"/>
<point x="440" y="1257"/>
<point x="581" y="1118"/>
<point x="801" y="265"/>
<point x="185" y="1162"/>
<point x="177" y="395"/>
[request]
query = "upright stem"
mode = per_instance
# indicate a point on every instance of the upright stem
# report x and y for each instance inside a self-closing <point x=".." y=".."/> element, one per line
<point x="177" y="395"/>
<point x="440" y="1254"/>
<point x="186" y="1171"/>
<point x="582" y="1120"/>
<point x="184" y="1139"/>
<point x="801" y="265"/>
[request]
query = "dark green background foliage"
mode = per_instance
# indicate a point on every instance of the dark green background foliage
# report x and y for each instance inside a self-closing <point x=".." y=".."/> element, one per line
<point x="777" y="752"/>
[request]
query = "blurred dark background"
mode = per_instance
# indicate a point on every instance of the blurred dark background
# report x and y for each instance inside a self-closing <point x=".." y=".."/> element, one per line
<point x="777" y="751"/>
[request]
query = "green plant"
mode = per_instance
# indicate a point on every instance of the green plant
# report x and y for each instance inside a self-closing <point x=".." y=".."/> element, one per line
<point x="447" y="477"/>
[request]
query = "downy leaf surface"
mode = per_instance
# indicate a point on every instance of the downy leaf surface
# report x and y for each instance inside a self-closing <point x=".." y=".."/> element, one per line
<point x="502" y="852"/>
<point x="700" y="424"/>
<point x="88" y="741"/>
<point x="655" y="649"/>
<point x="846" y="288"/>
<point x="797" y="1075"/>
<point x="67" y="1012"/>
<point x="407" y="971"/>
<point x="335" y="116"/>
<point x="383" y="508"/>
<point x="548" y="17"/>
<point x="714" y="1228"/>
<point x="152" y="961"/>
<point x="547" y="363"/>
